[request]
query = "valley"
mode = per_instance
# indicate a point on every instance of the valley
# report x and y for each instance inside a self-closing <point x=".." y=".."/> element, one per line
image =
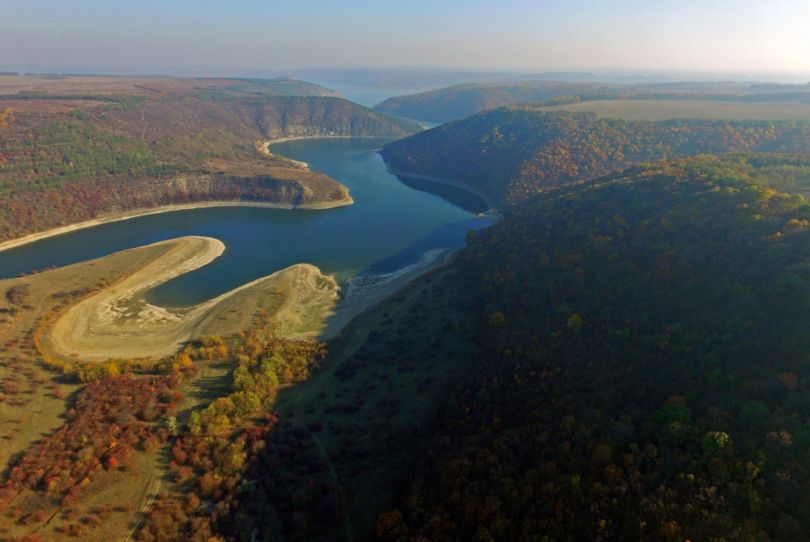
<point x="311" y="323"/>
<point x="94" y="148"/>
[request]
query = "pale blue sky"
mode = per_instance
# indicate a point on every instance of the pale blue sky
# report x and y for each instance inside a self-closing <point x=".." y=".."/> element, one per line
<point x="752" y="35"/>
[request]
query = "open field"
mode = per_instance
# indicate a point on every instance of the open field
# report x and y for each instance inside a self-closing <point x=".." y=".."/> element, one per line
<point x="78" y="86"/>
<point x="690" y="109"/>
<point x="45" y="292"/>
<point x="34" y="401"/>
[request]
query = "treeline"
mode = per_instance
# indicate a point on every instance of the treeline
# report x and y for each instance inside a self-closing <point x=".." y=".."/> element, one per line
<point x="70" y="171"/>
<point x="211" y="457"/>
<point x="514" y="153"/>
<point x="642" y="370"/>
<point x="459" y="101"/>
<point x="29" y="212"/>
<point x="108" y="421"/>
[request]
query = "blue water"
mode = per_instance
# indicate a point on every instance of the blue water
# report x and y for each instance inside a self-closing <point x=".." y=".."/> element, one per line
<point x="390" y="225"/>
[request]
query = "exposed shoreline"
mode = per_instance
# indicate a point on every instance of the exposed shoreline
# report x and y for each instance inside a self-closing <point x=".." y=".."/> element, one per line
<point x="118" y="323"/>
<point x="296" y="138"/>
<point x="135" y="213"/>
<point x="361" y="294"/>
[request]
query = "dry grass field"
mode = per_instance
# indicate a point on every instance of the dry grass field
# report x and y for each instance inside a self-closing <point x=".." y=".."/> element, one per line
<point x="34" y="400"/>
<point x="690" y="109"/>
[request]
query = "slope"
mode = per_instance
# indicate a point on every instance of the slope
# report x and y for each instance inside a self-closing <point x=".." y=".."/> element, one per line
<point x="641" y="367"/>
<point x="514" y="153"/>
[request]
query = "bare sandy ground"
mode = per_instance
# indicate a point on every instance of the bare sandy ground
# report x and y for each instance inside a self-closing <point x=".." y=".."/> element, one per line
<point x="297" y="138"/>
<point x="361" y="294"/>
<point x="118" y="323"/>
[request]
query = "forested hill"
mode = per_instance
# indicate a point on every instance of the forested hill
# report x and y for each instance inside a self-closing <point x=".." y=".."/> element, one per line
<point x="459" y="101"/>
<point x="94" y="146"/>
<point x="116" y="88"/>
<point x="642" y="365"/>
<point x="513" y="153"/>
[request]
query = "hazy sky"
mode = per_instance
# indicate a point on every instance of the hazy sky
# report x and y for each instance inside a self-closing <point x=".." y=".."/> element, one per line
<point x="750" y="35"/>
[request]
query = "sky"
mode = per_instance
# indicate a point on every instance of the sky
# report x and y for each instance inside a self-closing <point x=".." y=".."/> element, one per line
<point x="231" y="36"/>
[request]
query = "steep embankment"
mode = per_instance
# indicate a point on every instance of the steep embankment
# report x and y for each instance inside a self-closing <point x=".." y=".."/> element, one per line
<point x="67" y="158"/>
<point x="306" y="190"/>
<point x="514" y="153"/>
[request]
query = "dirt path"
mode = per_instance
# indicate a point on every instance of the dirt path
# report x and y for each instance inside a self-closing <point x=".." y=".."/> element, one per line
<point x="150" y="500"/>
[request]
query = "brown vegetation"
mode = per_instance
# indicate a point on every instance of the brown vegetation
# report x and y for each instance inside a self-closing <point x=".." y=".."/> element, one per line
<point x="168" y="143"/>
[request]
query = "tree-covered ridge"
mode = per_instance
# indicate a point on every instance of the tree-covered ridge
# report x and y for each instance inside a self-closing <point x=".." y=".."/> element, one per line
<point x="516" y="152"/>
<point x="459" y="101"/>
<point x="69" y="160"/>
<point x="642" y="367"/>
<point x="462" y="100"/>
<point x="120" y="89"/>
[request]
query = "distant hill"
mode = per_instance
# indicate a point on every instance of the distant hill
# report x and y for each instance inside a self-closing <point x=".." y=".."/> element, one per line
<point x="91" y="146"/>
<point x="514" y="153"/>
<point x="459" y="101"/>
<point x="398" y="78"/>
<point x="79" y="86"/>
<point x="783" y="108"/>
<point x="641" y="366"/>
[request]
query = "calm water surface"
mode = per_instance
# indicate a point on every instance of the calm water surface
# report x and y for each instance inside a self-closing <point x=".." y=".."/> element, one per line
<point x="390" y="225"/>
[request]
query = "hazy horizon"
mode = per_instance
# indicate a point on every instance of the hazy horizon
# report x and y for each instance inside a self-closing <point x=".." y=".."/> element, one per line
<point x="246" y="37"/>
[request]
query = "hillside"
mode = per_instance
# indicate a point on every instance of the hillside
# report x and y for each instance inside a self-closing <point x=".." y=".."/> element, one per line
<point x="641" y="366"/>
<point x="513" y="153"/>
<point x="666" y="109"/>
<point x="79" y="87"/>
<point x="91" y="147"/>
<point x="459" y="101"/>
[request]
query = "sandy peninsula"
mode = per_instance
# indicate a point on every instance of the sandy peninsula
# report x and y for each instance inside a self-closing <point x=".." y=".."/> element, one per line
<point x="118" y="323"/>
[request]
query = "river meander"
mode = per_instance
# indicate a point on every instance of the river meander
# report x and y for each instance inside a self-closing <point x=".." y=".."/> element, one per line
<point x="389" y="226"/>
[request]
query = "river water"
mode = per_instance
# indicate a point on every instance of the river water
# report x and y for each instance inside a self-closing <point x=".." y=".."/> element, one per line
<point x="390" y="225"/>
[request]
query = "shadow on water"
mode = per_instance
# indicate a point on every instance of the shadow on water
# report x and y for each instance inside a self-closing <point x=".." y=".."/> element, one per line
<point x="460" y="197"/>
<point x="392" y="223"/>
<point x="445" y="236"/>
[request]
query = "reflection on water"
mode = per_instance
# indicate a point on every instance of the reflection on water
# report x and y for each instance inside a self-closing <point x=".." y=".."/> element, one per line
<point x="458" y="196"/>
<point x="389" y="222"/>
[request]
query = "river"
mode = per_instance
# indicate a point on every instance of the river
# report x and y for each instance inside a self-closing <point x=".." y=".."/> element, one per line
<point x="389" y="226"/>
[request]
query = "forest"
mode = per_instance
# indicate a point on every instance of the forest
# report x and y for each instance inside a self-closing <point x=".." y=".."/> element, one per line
<point x="462" y="100"/>
<point x="635" y="370"/>
<point x="514" y="153"/>
<point x="620" y="357"/>
<point x="68" y="156"/>
<point x="640" y="370"/>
